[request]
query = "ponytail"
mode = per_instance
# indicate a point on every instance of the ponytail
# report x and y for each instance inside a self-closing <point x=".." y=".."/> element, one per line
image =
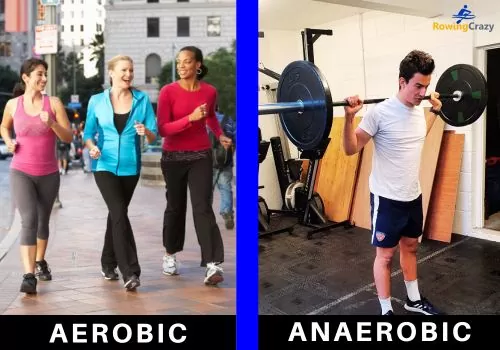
<point x="19" y="89"/>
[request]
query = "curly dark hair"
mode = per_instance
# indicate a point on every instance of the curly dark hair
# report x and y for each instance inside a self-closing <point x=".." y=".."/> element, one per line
<point x="416" y="62"/>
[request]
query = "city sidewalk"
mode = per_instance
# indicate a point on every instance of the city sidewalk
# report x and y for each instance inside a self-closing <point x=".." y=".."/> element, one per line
<point x="73" y="254"/>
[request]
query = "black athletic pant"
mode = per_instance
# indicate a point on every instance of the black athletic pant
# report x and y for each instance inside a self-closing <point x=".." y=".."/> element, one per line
<point x="197" y="174"/>
<point x="119" y="243"/>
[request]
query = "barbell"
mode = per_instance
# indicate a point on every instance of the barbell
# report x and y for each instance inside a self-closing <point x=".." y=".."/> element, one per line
<point x="305" y="106"/>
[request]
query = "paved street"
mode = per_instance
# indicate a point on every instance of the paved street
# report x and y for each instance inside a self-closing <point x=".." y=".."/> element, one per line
<point x="6" y="212"/>
<point x="77" y="231"/>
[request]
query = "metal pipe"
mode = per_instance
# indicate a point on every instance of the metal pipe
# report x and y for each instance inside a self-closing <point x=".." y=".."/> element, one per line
<point x="272" y="108"/>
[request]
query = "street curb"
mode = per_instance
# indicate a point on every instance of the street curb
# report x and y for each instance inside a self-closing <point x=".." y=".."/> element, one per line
<point x="11" y="237"/>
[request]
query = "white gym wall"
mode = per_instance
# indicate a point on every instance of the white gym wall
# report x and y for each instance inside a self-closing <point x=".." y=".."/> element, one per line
<point x="362" y="57"/>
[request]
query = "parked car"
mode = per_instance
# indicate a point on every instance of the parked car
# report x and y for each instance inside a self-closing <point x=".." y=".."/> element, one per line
<point x="4" y="152"/>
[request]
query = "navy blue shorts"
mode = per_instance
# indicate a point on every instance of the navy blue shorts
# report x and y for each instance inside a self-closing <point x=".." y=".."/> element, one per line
<point x="393" y="219"/>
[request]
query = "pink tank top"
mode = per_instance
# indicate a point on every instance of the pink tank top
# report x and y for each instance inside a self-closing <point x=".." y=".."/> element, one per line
<point x="36" y="143"/>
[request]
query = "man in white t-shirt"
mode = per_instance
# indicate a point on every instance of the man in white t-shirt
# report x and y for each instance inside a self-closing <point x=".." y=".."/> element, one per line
<point x="398" y="127"/>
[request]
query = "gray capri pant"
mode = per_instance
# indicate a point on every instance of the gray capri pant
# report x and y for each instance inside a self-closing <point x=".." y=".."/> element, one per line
<point x="34" y="197"/>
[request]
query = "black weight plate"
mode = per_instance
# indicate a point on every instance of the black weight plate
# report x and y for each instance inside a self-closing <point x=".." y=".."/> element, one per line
<point x="302" y="80"/>
<point x="472" y="83"/>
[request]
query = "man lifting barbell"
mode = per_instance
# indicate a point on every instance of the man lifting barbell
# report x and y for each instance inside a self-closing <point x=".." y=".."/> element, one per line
<point x="398" y="128"/>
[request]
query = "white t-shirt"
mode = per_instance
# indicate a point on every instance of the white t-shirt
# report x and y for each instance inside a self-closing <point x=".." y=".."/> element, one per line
<point x="398" y="134"/>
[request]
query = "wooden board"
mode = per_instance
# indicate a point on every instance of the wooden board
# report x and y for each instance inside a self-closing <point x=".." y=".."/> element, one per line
<point x="337" y="178"/>
<point x="360" y="215"/>
<point x="442" y="206"/>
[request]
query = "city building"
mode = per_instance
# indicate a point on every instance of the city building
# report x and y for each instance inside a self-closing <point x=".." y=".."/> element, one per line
<point x="151" y="32"/>
<point x="80" y="21"/>
<point x="14" y="47"/>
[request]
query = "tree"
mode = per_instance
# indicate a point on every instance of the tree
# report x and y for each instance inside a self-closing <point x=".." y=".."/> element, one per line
<point x="221" y="66"/>
<point x="97" y="49"/>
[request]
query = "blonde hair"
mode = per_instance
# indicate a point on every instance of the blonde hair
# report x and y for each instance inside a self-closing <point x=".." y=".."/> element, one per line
<point x="113" y="61"/>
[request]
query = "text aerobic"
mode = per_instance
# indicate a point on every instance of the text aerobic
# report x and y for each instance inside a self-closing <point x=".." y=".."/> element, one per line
<point x="380" y="331"/>
<point x="120" y="333"/>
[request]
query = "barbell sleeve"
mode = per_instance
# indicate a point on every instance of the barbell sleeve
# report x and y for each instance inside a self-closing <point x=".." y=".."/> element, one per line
<point x="272" y="108"/>
<point x="297" y="106"/>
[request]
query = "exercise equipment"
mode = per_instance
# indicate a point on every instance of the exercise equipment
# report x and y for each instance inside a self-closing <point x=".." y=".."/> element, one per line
<point x="264" y="212"/>
<point x="305" y="106"/>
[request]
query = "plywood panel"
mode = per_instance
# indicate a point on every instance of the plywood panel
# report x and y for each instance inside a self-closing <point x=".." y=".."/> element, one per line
<point x="442" y="205"/>
<point x="336" y="181"/>
<point x="360" y="215"/>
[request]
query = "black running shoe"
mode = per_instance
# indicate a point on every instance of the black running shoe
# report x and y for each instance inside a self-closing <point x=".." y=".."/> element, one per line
<point x="29" y="284"/>
<point x="132" y="283"/>
<point x="422" y="306"/>
<point x="388" y="313"/>
<point x="109" y="273"/>
<point x="43" y="271"/>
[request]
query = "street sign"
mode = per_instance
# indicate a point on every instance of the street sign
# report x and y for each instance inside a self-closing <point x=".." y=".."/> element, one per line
<point x="46" y="39"/>
<point x="73" y="105"/>
<point x="50" y="2"/>
<point x="75" y="99"/>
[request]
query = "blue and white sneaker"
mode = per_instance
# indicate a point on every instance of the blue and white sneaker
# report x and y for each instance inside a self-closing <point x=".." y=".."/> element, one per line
<point x="422" y="306"/>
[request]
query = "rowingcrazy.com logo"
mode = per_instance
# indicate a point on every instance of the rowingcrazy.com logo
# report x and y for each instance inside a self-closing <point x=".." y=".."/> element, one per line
<point x="464" y="14"/>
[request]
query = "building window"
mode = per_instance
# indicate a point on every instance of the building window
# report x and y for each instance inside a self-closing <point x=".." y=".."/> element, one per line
<point x="182" y="0"/>
<point x="152" y="1"/>
<point x="82" y="43"/>
<point x="5" y="50"/>
<point x="71" y="28"/>
<point x="153" y="27"/>
<point x="98" y="27"/>
<point x="62" y="28"/>
<point x="99" y="2"/>
<point x="182" y="26"/>
<point x="72" y="14"/>
<point x="81" y="28"/>
<point x="2" y="27"/>
<point x="153" y="68"/>
<point x="2" y="6"/>
<point x="213" y="26"/>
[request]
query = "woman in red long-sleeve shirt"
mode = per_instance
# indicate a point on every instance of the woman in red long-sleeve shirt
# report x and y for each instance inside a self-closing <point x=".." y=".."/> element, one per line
<point x="185" y="109"/>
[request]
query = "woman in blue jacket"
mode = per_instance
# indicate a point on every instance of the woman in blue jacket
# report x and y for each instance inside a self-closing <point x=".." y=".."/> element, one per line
<point x="116" y="120"/>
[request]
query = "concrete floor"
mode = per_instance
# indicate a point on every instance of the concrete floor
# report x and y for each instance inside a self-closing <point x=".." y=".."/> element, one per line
<point x="332" y="274"/>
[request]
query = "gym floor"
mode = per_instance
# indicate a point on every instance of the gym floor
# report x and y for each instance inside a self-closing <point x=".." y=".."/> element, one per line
<point x="331" y="274"/>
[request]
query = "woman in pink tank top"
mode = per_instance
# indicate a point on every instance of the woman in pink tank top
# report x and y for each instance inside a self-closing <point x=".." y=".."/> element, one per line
<point x="34" y="175"/>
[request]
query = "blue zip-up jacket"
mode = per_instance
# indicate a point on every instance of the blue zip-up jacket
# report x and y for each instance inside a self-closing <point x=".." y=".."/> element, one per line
<point x="120" y="154"/>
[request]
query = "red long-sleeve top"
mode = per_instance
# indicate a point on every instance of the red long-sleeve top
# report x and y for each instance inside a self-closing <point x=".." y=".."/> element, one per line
<point x="175" y="104"/>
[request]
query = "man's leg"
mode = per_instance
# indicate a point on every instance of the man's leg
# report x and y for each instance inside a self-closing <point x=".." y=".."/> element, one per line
<point x="408" y="247"/>
<point x="382" y="276"/>
<point x="226" y="196"/>
<point x="386" y="220"/>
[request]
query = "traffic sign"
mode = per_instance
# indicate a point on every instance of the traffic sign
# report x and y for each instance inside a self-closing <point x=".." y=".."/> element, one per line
<point x="74" y="105"/>
<point x="50" y="2"/>
<point x="46" y="39"/>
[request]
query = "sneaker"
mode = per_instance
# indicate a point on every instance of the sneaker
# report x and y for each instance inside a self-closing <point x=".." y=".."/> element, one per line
<point x="28" y="285"/>
<point x="132" y="283"/>
<point x="109" y="273"/>
<point x="388" y="313"/>
<point x="422" y="306"/>
<point x="213" y="274"/>
<point x="228" y="221"/>
<point x="169" y="265"/>
<point x="43" y="271"/>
